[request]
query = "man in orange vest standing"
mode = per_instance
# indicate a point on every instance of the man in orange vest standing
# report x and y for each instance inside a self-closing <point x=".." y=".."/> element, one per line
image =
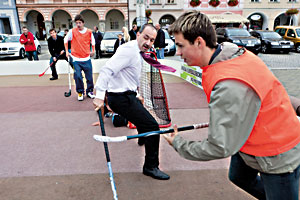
<point x="81" y="41"/>
<point x="251" y="115"/>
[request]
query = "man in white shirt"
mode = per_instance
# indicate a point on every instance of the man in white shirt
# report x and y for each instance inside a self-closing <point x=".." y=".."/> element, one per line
<point x="81" y="41"/>
<point x="120" y="79"/>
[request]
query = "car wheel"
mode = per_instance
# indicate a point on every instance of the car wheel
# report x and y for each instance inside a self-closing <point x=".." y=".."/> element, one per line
<point x="298" y="48"/>
<point x="22" y="53"/>
<point x="39" y="50"/>
<point x="264" y="48"/>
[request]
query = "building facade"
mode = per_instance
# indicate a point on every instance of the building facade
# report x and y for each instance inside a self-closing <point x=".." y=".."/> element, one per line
<point x="163" y="12"/>
<point x="9" y="21"/>
<point x="42" y="15"/>
<point x="265" y="14"/>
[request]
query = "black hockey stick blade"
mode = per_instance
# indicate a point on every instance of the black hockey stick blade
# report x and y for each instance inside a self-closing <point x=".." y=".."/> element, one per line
<point x="67" y="94"/>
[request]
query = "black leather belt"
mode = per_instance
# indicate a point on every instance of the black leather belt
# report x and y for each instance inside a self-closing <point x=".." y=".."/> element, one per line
<point x="128" y="92"/>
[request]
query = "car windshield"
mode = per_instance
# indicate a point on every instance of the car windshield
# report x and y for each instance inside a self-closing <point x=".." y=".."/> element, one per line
<point x="238" y="32"/>
<point x="298" y="31"/>
<point x="271" y="35"/>
<point x="12" y="39"/>
<point x="111" y="35"/>
<point x="167" y="36"/>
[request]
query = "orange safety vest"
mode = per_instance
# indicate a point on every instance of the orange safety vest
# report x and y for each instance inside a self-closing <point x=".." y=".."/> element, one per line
<point x="277" y="128"/>
<point x="80" y="44"/>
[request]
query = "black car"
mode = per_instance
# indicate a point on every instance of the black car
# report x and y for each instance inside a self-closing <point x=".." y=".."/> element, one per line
<point x="240" y="37"/>
<point x="272" y="41"/>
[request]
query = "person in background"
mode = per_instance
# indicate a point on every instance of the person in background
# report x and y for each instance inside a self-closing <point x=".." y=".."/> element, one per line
<point x="250" y="120"/>
<point x="44" y="34"/>
<point x="125" y="34"/>
<point x="69" y="42"/>
<point x="98" y="38"/>
<point x="118" y="42"/>
<point x="27" y="39"/>
<point x="160" y="42"/>
<point x="57" y="50"/>
<point x="82" y="40"/>
<point x="132" y="32"/>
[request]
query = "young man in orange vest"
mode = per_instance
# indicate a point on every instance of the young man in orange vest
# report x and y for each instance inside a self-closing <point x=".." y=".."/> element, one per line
<point x="251" y="116"/>
<point x="81" y="41"/>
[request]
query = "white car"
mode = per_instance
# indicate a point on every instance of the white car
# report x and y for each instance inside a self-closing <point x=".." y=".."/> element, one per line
<point x="11" y="47"/>
<point x="2" y="36"/>
<point x="170" y="49"/>
<point x="108" y="42"/>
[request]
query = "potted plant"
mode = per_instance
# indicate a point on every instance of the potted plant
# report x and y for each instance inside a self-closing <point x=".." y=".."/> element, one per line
<point x="214" y="3"/>
<point x="195" y="3"/>
<point x="232" y="3"/>
<point x="148" y="13"/>
<point x="292" y="11"/>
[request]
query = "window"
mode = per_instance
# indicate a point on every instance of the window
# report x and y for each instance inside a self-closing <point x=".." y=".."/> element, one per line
<point x="170" y="1"/>
<point x="275" y="1"/>
<point x="4" y="2"/>
<point x="291" y="33"/>
<point x="155" y="1"/>
<point x="255" y="0"/>
<point x="29" y="1"/>
<point x="72" y="1"/>
<point x="87" y="1"/>
<point x="57" y="1"/>
<point x="114" y="25"/>
<point x="280" y="31"/>
<point x="293" y="0"/>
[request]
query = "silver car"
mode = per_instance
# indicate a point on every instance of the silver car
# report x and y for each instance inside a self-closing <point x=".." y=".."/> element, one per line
<point x="108" y="42"/>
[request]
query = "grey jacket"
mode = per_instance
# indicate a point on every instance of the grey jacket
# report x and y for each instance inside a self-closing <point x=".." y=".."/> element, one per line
<point x="233" y="108"/>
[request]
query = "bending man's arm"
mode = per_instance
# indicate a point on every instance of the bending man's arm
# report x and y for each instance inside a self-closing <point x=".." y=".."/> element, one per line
<point x="233" y="111"/>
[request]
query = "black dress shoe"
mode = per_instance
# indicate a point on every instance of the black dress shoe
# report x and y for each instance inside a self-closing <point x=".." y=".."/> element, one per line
<point x="141" y="141"/>
<point x="53" y="78"/>
<point x="155" y="173"/>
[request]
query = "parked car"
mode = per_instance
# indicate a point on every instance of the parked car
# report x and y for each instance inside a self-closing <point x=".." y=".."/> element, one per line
<point x="2" y="36"/>
<point x="170" y="48"/>
<point x="108" y="41"/>
<point x="240" y="37"/>
<point x="11" y="46"/>
<point x="291" y="33"/>
<point x="272" y="41"/>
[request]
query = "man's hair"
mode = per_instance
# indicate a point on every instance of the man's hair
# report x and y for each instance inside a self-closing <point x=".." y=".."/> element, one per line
<point x="146" y="25"/>
<point x="24" y="27"/>
<point x="52" y="29"/>
<point x="66" y="29"/>
<point x="193" y="24"/>
<point x="97" y="28"/>
<point x="79" y="18"/>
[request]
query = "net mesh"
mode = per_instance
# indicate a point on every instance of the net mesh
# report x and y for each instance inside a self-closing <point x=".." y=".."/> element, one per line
<point x="153" y="91"/>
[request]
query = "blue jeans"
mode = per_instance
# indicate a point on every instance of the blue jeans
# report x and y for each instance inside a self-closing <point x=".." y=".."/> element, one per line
<point x="85" y="66"/>
<point x="31" y="54"/>
<point x="265" y="186"/>
<point x="160" y="53"/>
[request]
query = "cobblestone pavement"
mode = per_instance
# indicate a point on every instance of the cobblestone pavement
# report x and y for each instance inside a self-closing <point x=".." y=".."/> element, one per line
<point x="281" y="61"/>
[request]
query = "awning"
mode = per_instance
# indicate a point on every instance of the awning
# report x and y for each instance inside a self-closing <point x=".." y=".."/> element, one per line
<point x="227" y="18"/>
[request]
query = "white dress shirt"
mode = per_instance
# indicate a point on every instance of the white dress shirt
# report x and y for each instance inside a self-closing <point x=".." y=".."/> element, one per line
<point x="121" y="72"/>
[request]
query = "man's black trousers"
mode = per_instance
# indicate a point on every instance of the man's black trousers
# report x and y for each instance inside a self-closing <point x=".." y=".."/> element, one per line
<point x="127" y="105"/>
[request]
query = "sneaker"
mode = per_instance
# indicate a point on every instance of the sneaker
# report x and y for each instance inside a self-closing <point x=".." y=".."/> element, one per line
<point x="108" y="115"/>
<point x="80" y="97"/>
<point x="90" y="95"/>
